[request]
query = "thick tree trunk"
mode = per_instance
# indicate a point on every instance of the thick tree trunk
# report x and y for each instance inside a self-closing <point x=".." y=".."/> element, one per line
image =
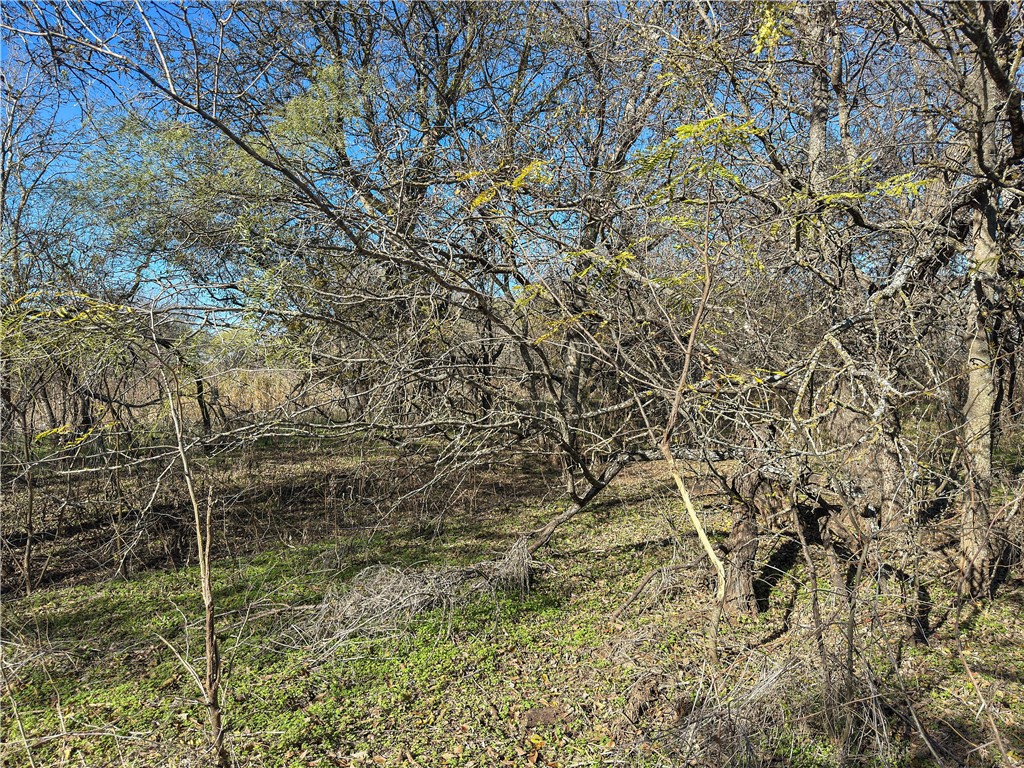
<point x="999" y="123"/>
<point x="740" y="555"/>
<point x="978" y="544"/>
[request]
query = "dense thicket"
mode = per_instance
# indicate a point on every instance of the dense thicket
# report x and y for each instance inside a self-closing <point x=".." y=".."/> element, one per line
<point x="780" y="240"/>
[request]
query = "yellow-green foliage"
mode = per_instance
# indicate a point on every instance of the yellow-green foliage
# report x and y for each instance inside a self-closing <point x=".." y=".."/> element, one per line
<point x="773" y="27"/>
<point x="315" y="117"/>
<point x="693" y="142"/>
<point x="532" y="173"/>
<point x="45" y="326"/>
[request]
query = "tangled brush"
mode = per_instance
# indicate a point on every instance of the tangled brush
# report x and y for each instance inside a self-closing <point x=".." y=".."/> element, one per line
<point x="382" y="599"/>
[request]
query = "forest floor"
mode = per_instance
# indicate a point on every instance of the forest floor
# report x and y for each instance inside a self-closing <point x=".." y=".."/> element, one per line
<point x="320" y="669"/>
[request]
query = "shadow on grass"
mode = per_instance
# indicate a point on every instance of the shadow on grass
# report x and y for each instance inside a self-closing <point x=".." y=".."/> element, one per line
<point x="966" y="743"/>
<point x="294" y="498"/>
<point x="779" y="564"/>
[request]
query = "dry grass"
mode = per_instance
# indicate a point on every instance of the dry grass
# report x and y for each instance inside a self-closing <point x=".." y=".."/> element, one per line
<point x="382" y="599"/>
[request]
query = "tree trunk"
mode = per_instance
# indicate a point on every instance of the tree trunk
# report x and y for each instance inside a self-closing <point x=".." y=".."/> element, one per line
<point x="204" y="409"/>
<point x="740" y="555"/>
<point x="999" y="123"/>
<point x="542" y="536"/>
<point x="821" y="19"/>
<point x="978" y="544"/>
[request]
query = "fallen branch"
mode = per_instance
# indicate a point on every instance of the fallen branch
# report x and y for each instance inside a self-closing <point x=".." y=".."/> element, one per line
<point x="663" y="571"/>
<point x="382" y="599"/>
<point x="541" y="536"/>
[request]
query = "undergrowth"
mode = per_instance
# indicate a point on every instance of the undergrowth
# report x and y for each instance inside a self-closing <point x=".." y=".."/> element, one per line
<point x="555" y="675"/>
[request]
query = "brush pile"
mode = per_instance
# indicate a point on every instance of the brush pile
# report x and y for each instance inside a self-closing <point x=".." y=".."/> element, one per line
<point x="383" y="599"/>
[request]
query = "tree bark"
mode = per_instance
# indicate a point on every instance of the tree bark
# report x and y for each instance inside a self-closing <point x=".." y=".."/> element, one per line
<point x="740" y="556"/>
<point x="978" y="547"/>
<point x="204" y="409"/>
<point x="822" y="21"/>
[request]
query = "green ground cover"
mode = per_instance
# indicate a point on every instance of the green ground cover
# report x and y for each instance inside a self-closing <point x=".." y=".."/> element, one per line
<point x="97" y="673"/>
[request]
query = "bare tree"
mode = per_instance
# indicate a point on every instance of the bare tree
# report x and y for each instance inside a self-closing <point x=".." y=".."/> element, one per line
<point x="558" y="229"/>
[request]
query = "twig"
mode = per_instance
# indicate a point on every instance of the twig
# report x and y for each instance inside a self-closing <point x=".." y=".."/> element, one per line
<point x="647" y="580"/>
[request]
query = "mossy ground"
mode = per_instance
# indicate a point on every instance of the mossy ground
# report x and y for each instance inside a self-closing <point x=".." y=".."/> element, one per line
<point x="96" y="673"/>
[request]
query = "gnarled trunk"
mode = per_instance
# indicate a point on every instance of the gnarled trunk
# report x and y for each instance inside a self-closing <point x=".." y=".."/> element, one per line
<point x="740" y="555"/>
